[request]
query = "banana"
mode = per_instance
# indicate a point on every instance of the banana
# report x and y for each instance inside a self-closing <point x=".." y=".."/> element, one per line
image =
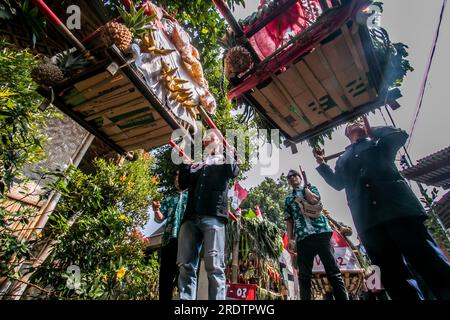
<point x="177" y="88"/>
<point x="181" y="99"/>
<point x="189" y="104"/>
<point x="148" y="39"/>
<point x="165" y="66"/>
<point x="180" y="81"/>
<point x="167" y="78"/>
<point x="192" y="112"/>
<point x="160" y="52"/>
<point x="171" y="72"/>
<point x="186" y="95"/>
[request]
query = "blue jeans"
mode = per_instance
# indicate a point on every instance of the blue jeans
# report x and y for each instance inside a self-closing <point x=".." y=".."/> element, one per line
<point x="210" y="231"/>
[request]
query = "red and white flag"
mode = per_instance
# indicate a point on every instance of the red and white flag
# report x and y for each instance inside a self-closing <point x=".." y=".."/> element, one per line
<point x="239" y="194"/>
<point x="258" y="213"/>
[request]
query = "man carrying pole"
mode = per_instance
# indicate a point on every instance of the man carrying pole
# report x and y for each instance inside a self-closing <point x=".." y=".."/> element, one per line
<point x="205" y="218"/>
<point x="310" y="233"/>
<point x="387" y="215"/>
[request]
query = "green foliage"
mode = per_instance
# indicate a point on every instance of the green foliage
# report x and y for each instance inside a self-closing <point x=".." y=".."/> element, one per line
<point x="13" y="249"/>
<point x="319" y="140"/>
<point x="165" y="169"/>
<point x="107" y="207"/>
<point x="135" y="20"/>
<point x="21" y="119"/>
<point x="21" y="143"/>
<point x="260" y="246"/>
<point x="26" y="13"/>
<point x="269" y="196"/>
<point x="434" y="225"/>
<point x="399" y="63"/>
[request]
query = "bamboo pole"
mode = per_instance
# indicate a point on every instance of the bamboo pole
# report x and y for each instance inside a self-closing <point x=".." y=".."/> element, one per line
<point x="235" y="255"/>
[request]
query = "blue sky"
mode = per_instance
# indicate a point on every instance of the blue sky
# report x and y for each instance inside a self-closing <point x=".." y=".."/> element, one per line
<point x="412" y="22"/>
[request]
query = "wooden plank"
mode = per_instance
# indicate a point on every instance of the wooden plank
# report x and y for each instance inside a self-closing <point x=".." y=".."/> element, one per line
<point x="125" y="121"/>
<point x="274" y="114"/>
<point x="277" y="99"/>
<point x="355" y="55"/>
<point x="145" y="137"/>
<point x="319" y="65"/>
<point x="340" y="59"/>
<point x="294" y="108"/>
<point x="362" y="53"/>
<point x="130" y="133"/>
<point x="359" y="58"/>
<point x="83" y="88"/>
<point x="303" y="98"/>
<point x="315" y="89"/>
<point x="126" y="88"/>
<point x="113" y="103"/>
<point x="115" y="111"/>
<point x="149" y="144"/>
<point x="109" y="128"/>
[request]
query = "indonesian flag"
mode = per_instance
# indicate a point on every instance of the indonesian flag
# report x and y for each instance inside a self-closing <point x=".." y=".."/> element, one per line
<point x="338" y="241"/>
<point x="239" y="194"/>
<point x="258" y="213"/>
<point x="285" y="240"/>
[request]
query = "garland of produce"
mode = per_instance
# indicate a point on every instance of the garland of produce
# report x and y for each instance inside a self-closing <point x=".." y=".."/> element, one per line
<point x="260" y="246"/>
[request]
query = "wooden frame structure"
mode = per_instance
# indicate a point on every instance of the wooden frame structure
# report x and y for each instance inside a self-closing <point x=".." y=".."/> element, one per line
<point x="118" y="108"/>
<point x="323" y="77"/>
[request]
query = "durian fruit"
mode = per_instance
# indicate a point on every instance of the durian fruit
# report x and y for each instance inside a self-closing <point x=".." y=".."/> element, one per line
<point x="47" y="74"/>
<point x="236" y="61"/>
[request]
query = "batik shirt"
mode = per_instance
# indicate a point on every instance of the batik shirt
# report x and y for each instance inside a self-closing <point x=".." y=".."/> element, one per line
<point x="172" y="208"/>
<point x="304" y="226"/>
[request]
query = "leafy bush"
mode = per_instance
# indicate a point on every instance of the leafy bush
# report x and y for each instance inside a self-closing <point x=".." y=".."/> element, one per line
<point x="21" y="118"/>
<point x="21" y="143"/>
<point x="104" y="242"/>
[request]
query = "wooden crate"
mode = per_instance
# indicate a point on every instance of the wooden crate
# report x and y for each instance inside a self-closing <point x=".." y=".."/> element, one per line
<point x="118" y="108"/>
<point x="330" y="84"/>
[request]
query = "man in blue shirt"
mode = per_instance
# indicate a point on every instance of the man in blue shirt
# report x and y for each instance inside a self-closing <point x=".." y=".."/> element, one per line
<point x="312" y="237"/>
<point x="387" y="215"/>
<point x="172" y="210"/>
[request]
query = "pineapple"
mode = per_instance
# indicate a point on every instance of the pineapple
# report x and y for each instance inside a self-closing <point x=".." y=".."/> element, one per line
<point x="236" y="61"/>
<point x="133" y="25"/>
<point x="47" y="74"/>
<point x="118" y="34"/>
<point x="70" y="64"/>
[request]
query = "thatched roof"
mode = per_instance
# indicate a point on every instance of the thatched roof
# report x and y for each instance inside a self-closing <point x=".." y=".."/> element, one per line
<point x="433" y="170"/>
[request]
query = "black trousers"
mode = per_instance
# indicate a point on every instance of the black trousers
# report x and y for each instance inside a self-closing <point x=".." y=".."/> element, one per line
<point x="168" y="270"/>
<point x="307" y="249"/>
<point x="392" y="244"/>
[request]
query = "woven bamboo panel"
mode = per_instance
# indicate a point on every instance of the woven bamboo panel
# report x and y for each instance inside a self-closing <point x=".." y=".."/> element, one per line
<point x="22" y="229"/>
<point x="331" y="80"/>
<point x="353" y="283"/>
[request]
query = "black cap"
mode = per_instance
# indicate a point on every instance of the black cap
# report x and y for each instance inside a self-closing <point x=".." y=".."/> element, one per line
<point x="293" y="172"/>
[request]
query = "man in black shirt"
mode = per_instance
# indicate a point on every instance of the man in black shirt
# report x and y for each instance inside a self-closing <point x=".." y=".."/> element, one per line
<point x="204" y="219"/>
